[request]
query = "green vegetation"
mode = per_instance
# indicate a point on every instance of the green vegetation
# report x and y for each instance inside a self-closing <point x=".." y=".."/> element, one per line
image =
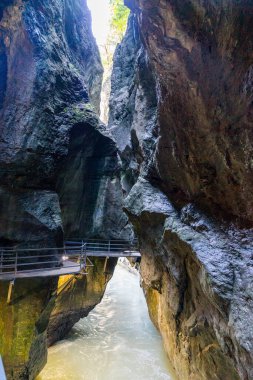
<point x="118" y="24"/>
<point x="117" y="27"/>
<point x="119" y="16"/>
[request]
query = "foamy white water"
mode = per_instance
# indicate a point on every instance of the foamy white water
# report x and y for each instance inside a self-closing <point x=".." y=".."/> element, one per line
<point x="117" y="341"/>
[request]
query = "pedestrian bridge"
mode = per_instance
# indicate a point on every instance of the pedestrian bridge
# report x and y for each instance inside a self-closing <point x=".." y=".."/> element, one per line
<point x="74" y="258"/>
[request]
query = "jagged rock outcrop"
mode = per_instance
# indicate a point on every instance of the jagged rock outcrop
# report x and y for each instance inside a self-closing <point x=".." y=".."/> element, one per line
<point x="59" y="169"/>
<point x="182" y="100"/>
<point x="197" y="279"/>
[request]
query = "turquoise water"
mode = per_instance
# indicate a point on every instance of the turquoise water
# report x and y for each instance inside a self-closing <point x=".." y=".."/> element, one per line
<point x="117" y="341"/>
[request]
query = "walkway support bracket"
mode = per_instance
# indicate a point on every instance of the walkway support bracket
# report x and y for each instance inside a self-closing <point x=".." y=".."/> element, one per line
<point x="11" y="285"/>
<point x="105" y="264"/>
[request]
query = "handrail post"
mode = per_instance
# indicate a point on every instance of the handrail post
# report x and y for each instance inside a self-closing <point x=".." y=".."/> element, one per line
<point x="85" y="255"/>
<point x="109" y="246"/>
<point x="16" y="263"/>
<point x="81" y="256"/>
<point x="1" y="267"/>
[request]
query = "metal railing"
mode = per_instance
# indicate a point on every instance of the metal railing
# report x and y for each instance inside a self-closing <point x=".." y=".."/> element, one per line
<point x="25" y="260"/>
<point x="108" y="247"/>
<point x="73" y="256"/>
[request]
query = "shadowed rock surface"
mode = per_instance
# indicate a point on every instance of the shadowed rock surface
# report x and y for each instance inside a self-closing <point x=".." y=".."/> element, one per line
<point x="89" y="182"/>
<point x="51" y="64"/>
<point x="181" y="113"/>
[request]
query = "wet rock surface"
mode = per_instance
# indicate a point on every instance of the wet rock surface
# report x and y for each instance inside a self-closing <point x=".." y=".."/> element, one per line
<point x="181" y="97"/>
<point x="197" y="279"/>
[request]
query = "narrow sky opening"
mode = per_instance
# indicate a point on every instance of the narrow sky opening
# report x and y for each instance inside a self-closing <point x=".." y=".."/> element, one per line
<point x="100" y="12"/>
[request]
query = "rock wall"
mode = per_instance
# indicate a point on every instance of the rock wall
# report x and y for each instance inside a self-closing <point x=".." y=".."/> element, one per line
<point x="181" y="113"/>
<point x="23" y="324"/>
<point x="59" y="172"/>
<point x="200" y="54"/>
<point x="50" y="64"/>
<point x="89" y="182"/>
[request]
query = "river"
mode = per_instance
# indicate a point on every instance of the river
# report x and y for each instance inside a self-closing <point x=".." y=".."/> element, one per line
<point x="117" y="341"/>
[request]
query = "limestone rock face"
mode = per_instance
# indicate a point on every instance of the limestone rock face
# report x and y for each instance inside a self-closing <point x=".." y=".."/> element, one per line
<point x="201" y="55"/>
<point x="59" y="171"/>
<point x="197" y="279"/>
<point x="49" y="62"/>
<point x="182" y="100"/>
<point x="133" y="105"/>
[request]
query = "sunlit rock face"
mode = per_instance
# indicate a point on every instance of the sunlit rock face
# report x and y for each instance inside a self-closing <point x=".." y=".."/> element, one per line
<point x="105" y="93"/>
<point x="59" y="171"/>
<point x="182" y="100"/>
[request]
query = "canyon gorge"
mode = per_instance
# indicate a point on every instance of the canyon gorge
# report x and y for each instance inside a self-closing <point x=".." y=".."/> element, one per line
<point x="172" y="168"/>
